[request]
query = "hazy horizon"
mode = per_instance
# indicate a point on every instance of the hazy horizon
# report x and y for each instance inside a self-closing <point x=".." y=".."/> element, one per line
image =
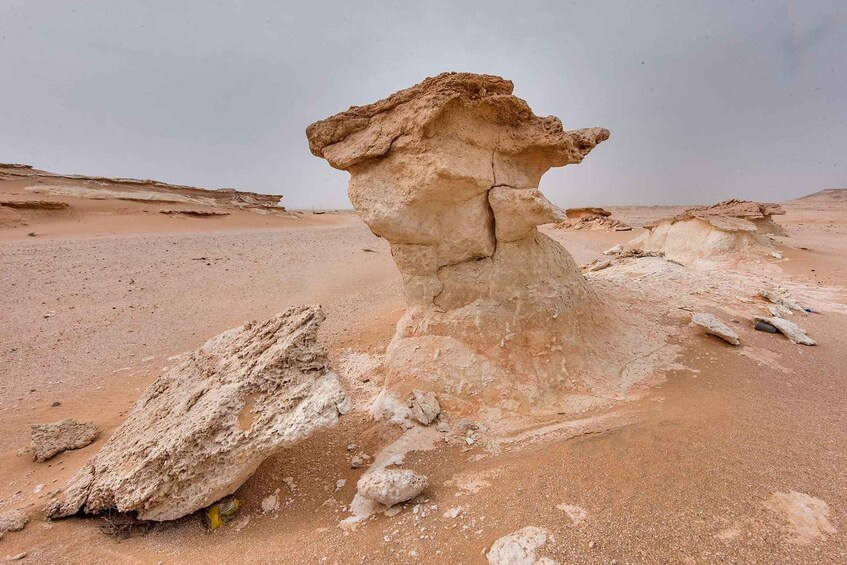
<point x="704" y="102"/>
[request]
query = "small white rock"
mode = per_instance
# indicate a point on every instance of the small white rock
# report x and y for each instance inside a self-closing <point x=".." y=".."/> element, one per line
<point x="614" y="250"/>
<point x="391" y="486"/>
<point x="715" y="327"/>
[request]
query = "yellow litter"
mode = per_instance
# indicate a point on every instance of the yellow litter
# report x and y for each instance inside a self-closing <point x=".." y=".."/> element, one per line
<point x="222" y="512"/>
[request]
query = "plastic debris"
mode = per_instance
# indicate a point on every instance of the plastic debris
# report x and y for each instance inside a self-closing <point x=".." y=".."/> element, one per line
<point x="222" y="512"/>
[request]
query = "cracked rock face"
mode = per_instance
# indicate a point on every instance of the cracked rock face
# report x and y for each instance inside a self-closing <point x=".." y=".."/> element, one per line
<point x="201" y="430"/>
<point x="447" y="171"/>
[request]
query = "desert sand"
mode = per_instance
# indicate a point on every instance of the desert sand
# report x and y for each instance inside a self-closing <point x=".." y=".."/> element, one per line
<point x="685" y="450"/>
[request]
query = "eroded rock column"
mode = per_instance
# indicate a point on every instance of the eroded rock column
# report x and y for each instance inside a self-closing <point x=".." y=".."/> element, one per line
<point x="448" y="171"/>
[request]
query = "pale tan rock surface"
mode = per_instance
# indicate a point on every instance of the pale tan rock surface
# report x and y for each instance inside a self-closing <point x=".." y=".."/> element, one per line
<point x="13" y="521"/>
<point x="714" y="326"/>
<point x="519" y="548"/>
<point x="789" y="329"/>
<point x="592" y="219"/>
<point x="391" y="486"/>
<point x="726" y="232"/>
<point x="56" y="437"/>
<point x="448" y="171"/>
<point x="200" y="430"/>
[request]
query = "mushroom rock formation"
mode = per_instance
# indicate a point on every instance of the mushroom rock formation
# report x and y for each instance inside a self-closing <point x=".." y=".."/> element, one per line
<point x="731" y="230"/>
<point x="447" y="171"/>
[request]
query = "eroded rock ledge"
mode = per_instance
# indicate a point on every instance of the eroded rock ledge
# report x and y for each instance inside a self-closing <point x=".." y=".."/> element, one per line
<point x="448" y="171"/>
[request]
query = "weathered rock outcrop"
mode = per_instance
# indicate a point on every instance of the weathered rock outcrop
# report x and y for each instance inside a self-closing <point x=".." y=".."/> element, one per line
<point x="56" y="437"/>
<point x="203" y="428"/>
<point x="728" y="231"/>
<point x="592" y="219"/>
<point x="448" y="171"/>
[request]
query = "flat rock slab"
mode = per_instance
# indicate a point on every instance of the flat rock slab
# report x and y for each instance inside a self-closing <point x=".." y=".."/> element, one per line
<point x="714" y="326"/>
<point x="56" y="437"/>
<point x="791" y="330"/>
<point x="201" y="430"/>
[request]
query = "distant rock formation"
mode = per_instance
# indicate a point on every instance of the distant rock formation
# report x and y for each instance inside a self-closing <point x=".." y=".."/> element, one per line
<point x="728" y="231"/>
<point x="201" y="430"/>
<point x="593" y="219"/>
<point x="144" y="190"/>
<point x="447" y="171"/>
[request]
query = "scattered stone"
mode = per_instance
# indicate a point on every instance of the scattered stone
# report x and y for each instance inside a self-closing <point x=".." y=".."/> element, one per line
<point x="776" y="255"/>
<point x="339" y="484"/>
<point x="715" y="327"/>
<point x="359" y="460"/>
<point x="614" y="250"/>
<point x="13" y="521"/>
<point x="201" y="430"/>
<point x="271" y="502"/>
<point x="453" y="512"/>
<point x="38" y="488"/>
<point x="391" y="486"/>
<point x="56" y="437"/>
<point x="443" y="427"/>
<point x="424" y="406"/>
<point x="17" y="557"/>
<point x="519" y="548"/>
<point x="599" y="266"/>
<point x="791" y="330"/>
<point x="55" y="404"/>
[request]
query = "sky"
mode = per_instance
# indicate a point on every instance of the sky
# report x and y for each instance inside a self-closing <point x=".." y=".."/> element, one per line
<point x="705" y="100"/>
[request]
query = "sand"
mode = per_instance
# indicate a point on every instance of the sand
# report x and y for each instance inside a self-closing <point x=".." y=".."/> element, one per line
<point x="96" y="303"/>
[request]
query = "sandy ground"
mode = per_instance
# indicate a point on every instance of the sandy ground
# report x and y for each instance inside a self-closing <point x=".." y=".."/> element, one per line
<point x="94" y="305"/>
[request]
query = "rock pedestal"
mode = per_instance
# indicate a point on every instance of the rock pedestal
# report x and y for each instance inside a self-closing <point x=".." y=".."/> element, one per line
<point x="448" y="171"/>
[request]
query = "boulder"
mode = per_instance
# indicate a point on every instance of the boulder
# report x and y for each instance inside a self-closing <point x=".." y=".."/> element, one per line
<point x="201" y="430"/>
<point x="715" y="327"/>
<point x="448" y="171"/>
<point x="391" y="486"/>
<point x="50" y="439"/>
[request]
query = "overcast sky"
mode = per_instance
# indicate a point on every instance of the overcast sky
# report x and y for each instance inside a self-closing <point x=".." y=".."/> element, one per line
<point x="705" y="100"/>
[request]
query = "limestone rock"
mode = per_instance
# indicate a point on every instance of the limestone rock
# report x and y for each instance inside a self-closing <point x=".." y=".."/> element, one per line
<point x="424" y="406"/>
<point x="50" y="439"/>
<point x="791" y="330"/>
<point x="716" y="327"/>
<point x="592" y="219"/>
<point x="391" y="486"/>
<point x="726" y="232"/>
<point x="448" y="172"/>
<point x="519" y="548"/>
<point x="616" y="250"/>
<point x="201" y="430"/>
<point x="13" y="521"/>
